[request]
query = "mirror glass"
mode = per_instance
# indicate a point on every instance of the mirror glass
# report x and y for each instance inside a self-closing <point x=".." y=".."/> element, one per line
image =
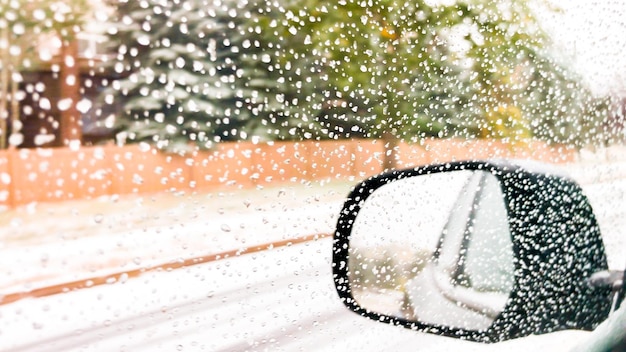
<point x="434" y="248"/>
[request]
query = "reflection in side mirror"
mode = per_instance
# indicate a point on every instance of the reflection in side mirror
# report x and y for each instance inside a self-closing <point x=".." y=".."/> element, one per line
<point x="474" y="250"/>
<point x="442" y="248"/>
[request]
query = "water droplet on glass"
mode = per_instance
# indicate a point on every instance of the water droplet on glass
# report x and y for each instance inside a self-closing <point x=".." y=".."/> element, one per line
<point x="16" y="139"/>
<point x="44" y="104"/>
<point x="83" y="106"/>
<point x="64" y="104"/>
<point x="143" y="40"/>
<point x="144" y="147"/>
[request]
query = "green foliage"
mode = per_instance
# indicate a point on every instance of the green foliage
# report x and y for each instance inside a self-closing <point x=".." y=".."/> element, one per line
<point x="196" y="72"/>
<point x="384" y="68"/>
<point x="520" y="89"/>
<point x="171" y="77"/>
<point x="280" y="79"/>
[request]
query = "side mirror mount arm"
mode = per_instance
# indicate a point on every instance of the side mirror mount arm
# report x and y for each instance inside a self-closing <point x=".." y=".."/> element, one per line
<point x="615" y="279"/>
<point x="621" y="294"/>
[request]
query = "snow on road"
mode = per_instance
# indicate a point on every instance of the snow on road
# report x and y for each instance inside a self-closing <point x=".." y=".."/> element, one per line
<point x="227" y="224"/>
<point x="279" y="300"/>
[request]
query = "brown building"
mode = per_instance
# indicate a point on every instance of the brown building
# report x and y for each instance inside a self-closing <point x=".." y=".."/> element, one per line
<point x="56" y="95"/>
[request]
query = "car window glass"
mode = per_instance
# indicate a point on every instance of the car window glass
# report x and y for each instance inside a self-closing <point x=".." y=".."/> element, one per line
<point x="171" y="171"/>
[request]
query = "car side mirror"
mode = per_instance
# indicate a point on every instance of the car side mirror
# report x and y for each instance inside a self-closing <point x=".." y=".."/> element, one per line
<point x="484" y="251"/>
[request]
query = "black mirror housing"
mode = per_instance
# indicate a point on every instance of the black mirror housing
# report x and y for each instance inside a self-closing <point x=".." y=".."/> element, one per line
<point x="557" y="246"/>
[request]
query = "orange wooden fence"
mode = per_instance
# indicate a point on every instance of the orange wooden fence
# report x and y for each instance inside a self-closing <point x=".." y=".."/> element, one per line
<point x="43" y="175"/>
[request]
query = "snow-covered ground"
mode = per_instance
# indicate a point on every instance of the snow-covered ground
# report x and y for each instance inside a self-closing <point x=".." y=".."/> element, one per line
<point x="281" y="299"/>
<point x="54" y="244"/>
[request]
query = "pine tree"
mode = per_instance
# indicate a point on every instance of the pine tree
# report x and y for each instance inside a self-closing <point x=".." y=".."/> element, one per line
<point x="277" y="94"/>
<point x="178" y="64"/>
<point x="197" y="72"/>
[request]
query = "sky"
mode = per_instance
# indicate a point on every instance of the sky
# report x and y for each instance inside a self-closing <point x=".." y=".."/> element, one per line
<point x="592" y="34"/>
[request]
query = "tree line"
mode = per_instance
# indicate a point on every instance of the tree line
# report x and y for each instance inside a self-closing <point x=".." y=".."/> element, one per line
<point x="192" y="73"/>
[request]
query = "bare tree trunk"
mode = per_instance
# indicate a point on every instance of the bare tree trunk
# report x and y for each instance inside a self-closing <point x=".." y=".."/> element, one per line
<point x="16" y="125"/>
<point x="390" y="142"/>
<point x="4" y="85"/>
<point x="71" y="124"/>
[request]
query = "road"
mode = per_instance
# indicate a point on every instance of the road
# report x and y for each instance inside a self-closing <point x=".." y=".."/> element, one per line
<point x="277" y="300"/>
